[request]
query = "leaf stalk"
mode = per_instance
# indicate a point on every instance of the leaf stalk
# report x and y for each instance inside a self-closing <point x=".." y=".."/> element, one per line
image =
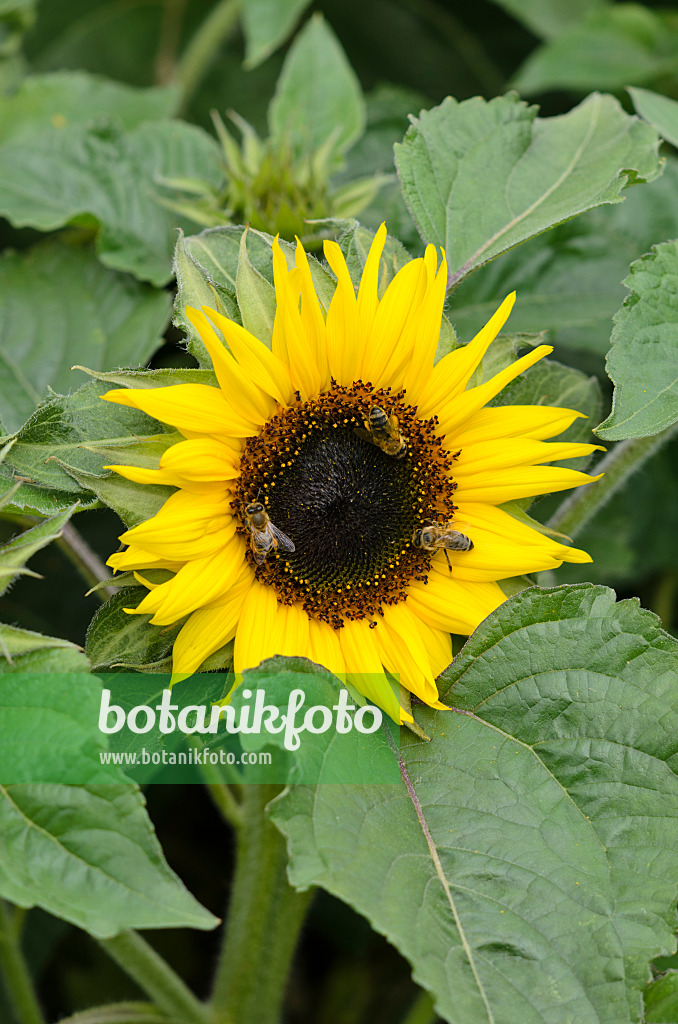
<point x="15" y="973"/>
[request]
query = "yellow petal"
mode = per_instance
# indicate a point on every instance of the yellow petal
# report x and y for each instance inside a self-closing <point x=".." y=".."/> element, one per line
<point x="136" y="557"/>
<point x="197" y="583"/>
<point x="258" y="362"/>
<point x="446" y="603"/>
<point x="254" y="639"/>
<point x="364" y="668"/>
<point x="518" y="482"/>
<point x="291" y="631"/>
<point x="345" y="339"/>
<point x="194" y="407"/>
<point x="451" y="375"/>
<point x="403" y="653"/>
<point x="451" y="414"/>
<point x="240" y="391"/>
<point x="417" y="373"/>
<point x="187" y="526"/>
<point x="312" y="319"/>
<point x="484" y="457"/>
<point x="534" y="421"/>
<point x="389" y="345"/>
<point x="205" y="632"/>
<point x="368" y="298"/>
<point x="288" y="330"/>
<point x="325" y="648"/>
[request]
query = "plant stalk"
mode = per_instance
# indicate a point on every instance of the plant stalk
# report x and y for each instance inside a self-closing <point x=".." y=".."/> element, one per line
<point x="85" y="560"/>
<point x="421" y="1011"/>
<point x="202" y="48"/>
<point x="15" y="973"/>
<point x="625" y="459"/>
<point x="264" y="920"/>
<point x="155" y="977"/>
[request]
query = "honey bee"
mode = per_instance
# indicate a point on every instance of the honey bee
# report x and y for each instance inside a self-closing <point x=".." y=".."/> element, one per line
<point x="264" y="536"/>
<point x="384" y="432"/>
<point x="441" y="537"/>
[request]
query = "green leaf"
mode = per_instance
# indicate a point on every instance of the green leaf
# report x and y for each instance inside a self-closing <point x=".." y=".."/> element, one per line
<point x="16" y="552"/>
<point x="58" y="305"/>
<point x="52" y="102"/>
<point x="661" y="1000"/>
<point x="115" y="638"/>
<point x="481" y="177"/>
<point x="513" y="875"/>
<point x="568" y="280"/>
<point x="109" y="179"/>
<point x="61" y="429"/>
<point x="643" y="360"/>
<point x="48" y="729"/>
<point x="21" y="650"/>
<point x="266" y="25"/>
<point x="134" y="503"/>
<point x="255" y="296"/>
<point x="659" y="111"/>
<point x="318" y="96"/>
<point x="546" y="18"/>
<point x="613" y="46"/>
<point x="88" y="854"/>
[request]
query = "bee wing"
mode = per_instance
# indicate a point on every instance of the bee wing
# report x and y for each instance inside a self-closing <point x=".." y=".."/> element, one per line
<point x="283" y="541"/>
<point x="365" y="434"/>
<point x="393" y="425"/>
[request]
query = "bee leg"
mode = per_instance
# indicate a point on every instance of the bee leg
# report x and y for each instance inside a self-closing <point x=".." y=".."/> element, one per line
<point x="449" y="564"/>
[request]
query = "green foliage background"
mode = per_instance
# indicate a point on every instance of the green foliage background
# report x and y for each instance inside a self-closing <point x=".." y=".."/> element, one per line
<point x="524" y="869"/>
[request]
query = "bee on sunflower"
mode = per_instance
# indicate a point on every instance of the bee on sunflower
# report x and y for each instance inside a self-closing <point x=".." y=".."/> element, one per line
<point x="338" y="494"/>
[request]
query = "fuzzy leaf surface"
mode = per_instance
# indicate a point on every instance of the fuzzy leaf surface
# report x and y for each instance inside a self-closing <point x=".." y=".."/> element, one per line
<point x="643" y="359"/>
<point x="16" y="552"/>
<point x="660" y="111"/>
<point x="513" y="875"/>
<point x="481" y="177"/>
<point x="318" y="95"/>
<point x="59" y="306"/>
<point x="266" y="25"/>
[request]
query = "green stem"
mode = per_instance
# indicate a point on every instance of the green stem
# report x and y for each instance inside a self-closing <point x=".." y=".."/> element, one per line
<point x="625" y="459"/>
<point x="265" y="916"/>
<point x="664" y="598"/>
<point x="421" y="1011"/>
<point x="170" y="37"/>
<point x="203" y="47"/>
<point x="15" y="973"/>
<point x="222" y="795"/>
<point x="86" y="561"/>
<point x="155" y="977"/>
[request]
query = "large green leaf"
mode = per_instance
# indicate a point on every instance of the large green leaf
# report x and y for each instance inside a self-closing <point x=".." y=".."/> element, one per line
<point x="54" y="441"/>
<point x="614" y="46"/>
<point x="661" y="1000"/>
<point x="569" y="280"/>
<point x="21" y="650"/>
<point x="45" y="103"/>
<point x="111" y="180"/>
<point x="527" y="864"/>
<point x="659" y="111"/>
<point x="89" y="854"/>
<point x="481" y="177"/>
<point x="318" y="96"/>
<point x="643" y="360"/>
<point x="59" y="306"/>
<point x="266" y="24"/>
<point x="16" y="552"/>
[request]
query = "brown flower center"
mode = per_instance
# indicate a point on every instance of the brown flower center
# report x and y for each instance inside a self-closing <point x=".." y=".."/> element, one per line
<point x="349" y="507"/>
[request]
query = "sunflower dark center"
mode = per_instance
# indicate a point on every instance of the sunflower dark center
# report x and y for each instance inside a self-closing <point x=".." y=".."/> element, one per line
<point x="349" y="507"/>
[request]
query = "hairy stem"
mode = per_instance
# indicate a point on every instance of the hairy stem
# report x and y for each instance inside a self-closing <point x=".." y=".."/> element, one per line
<point x="15" y="973"/>
<point x="155" y="977"/>
<point x="203" y="47"/>
<point x="85" y="560"/>
<point x="170" y="38"/>
<point x="265" y="916"/>
<point x="625" y="459"/>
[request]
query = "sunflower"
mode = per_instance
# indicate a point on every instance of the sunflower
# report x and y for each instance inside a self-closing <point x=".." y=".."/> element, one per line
<point x="338" y="494"/>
